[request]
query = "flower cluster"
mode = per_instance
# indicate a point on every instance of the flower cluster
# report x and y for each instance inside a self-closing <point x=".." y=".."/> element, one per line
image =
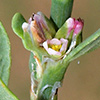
<point x="55" y="43"/>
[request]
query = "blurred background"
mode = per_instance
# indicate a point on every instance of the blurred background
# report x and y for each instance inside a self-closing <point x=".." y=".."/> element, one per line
<point x="82" y="78"/>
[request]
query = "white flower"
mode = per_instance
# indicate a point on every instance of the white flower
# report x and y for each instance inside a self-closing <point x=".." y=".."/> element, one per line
<point x="56" y="47"/>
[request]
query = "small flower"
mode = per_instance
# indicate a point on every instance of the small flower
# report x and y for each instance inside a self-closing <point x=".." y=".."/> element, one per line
<point x="74" y="25"/>
<point x="56" y="47"/>
<point x="70" y="28"/>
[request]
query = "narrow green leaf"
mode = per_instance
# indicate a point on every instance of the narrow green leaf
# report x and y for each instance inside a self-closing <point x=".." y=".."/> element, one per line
<point x="60" y="11"/>
<point x="90" y="44"/>
<point x="5" y="93"/>
<point x="62" y="32"/>
<point x="17" y="22"/>
<point x="5" y="60"/>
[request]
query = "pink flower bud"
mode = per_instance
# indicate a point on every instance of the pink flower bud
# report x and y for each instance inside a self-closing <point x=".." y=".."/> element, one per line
<point x="74" y="25"/>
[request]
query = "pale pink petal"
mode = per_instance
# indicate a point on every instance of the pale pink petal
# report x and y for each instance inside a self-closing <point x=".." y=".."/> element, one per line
<point x="77" y="29"/>
<point x="64" y="45"/>
<point x="55" y="41"/>
<point x="70" y="25"/>
<point x="63" y="40"/>
<point x="53" y="52"/>
<point x="78" y="26"/>
<point x="70" y="22"/>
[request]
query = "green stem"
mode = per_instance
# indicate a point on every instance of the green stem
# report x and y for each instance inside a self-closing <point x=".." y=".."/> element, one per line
<point x="88" y="45"/>
<point x="55" y="97"/>
<point x="55" y="70"/>
<point x="51" y="79"/>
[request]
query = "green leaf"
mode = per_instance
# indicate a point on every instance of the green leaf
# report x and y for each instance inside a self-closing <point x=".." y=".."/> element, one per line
<point x="60" y="11"/>
<point x="88" y="45"/>
<point x="5" y="56"/>
<point x="62" y="32"/>
<point x="5" y="93"/>
<point x="17" y="22"/>
<point x="28" y="42"/>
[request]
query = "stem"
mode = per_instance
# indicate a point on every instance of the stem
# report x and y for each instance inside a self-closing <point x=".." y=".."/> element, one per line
<point x="54" y="70"/>
<point x="55" y="97"/>
<point x="51" y="79"/>
<point x="88" y="45"/>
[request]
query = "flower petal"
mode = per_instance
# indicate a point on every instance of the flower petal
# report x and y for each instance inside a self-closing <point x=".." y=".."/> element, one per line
<point x="70" y="24"/>
<point x="53" y="52"/>
<point x="45" y="45"/>
<point x="78" y="29"/>
<point x="55" y="41"/>
<point x="64" y="45"/>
